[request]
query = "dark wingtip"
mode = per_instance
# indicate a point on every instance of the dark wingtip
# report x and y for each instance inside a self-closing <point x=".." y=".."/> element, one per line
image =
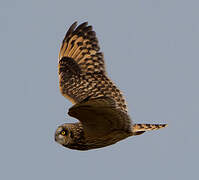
<point x="71" y="29"/>
<point x="84" y="23"/>
<point x="81" y="26"/>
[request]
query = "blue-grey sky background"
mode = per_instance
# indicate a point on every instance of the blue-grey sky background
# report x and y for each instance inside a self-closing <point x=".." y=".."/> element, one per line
<point x="151" y="49"/>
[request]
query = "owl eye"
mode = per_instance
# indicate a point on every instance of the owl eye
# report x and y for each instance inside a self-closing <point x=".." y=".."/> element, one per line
<point x="63" y="132"/>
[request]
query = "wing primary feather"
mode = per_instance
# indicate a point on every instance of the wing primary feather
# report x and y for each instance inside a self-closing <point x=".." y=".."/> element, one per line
<point x="81" y="26"/>
<point x="70" y="30"/>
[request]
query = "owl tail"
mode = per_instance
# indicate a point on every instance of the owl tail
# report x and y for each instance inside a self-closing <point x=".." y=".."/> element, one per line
<point x="141" y="128"/>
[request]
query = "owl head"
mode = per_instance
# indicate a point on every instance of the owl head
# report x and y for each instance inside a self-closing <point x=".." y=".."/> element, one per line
<point x="64" y="134"/>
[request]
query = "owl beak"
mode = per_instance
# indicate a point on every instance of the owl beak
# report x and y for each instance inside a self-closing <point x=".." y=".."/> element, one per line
<point x="59" y="139"/>
<point x="55" y="137"/>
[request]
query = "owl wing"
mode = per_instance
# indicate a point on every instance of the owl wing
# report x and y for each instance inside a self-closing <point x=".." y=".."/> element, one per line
<point x="81" y="68"/>
<point x="100" y="116"/>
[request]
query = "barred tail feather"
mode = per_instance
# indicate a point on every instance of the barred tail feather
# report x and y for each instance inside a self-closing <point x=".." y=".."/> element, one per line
<point x="141" y="128"/>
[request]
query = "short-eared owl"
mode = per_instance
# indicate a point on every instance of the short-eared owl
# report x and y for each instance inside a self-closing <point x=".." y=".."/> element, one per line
<point x="98" y="104"/>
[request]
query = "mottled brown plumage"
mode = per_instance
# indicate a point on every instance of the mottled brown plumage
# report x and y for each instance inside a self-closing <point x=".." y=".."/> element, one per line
<point x="98" y="104"/>
<point x="82" y="70"/>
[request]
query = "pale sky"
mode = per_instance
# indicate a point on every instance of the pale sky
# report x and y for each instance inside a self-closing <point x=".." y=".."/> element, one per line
<point x="151" y="49"/>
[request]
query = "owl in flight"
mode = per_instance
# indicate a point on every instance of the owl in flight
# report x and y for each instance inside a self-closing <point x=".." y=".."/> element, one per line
<point x="99" y="105"/>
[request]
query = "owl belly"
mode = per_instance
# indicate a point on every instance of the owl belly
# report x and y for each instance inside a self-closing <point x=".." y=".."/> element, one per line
<point x="99" y="142"/>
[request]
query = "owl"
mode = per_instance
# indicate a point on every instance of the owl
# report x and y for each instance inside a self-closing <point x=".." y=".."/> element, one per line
<point x="99" y="105"/>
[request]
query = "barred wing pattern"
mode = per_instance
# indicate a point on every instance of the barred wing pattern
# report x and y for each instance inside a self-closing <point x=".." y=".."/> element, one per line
<point x="99" y="105"/>
<point x="82" y="71"/>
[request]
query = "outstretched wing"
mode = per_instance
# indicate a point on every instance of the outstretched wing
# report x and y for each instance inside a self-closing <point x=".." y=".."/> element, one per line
<point x="101" y="116"/>
<point x="81" y="68"/>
